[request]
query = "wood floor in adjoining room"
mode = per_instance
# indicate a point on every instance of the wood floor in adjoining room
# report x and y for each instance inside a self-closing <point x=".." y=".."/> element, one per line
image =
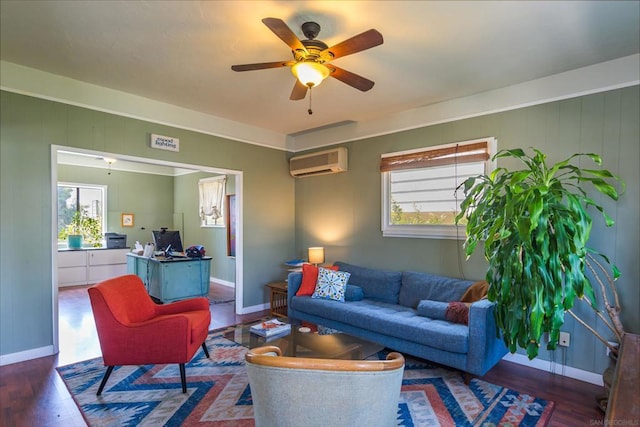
<point x="33" y="394"/>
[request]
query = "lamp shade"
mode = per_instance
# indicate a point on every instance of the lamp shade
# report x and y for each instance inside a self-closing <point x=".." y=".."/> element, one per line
<point x="310" y="73"/>
<point x="316" y="255"/>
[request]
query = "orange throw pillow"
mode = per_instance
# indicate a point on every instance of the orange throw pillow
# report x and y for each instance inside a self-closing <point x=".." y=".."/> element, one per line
<point x="476" y="292"/>
<point x="309" y="279"/>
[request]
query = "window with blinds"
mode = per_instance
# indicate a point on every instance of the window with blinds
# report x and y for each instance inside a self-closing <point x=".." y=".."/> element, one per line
<point x="419" y="187"/>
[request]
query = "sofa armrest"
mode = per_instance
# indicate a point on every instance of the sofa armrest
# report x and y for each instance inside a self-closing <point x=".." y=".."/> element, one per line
<point x="486" y="346"/>
<point x="293" y="284"/>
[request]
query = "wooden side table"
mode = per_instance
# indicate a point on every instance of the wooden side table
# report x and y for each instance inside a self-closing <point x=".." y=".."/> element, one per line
<point x="278" y="298"/>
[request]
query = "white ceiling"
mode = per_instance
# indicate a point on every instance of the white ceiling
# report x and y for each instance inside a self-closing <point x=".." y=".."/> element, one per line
<point x="180" y="53"/>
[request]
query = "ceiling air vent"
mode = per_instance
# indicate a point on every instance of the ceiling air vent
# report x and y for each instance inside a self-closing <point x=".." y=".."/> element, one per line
<point x="319" y="163"/>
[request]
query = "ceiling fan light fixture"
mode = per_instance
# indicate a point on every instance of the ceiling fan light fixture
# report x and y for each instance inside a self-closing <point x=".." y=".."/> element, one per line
<point x="310" y="73"/>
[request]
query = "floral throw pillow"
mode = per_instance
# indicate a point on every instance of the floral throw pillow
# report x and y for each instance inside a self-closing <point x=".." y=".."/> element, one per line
<point x="331" y="284"/>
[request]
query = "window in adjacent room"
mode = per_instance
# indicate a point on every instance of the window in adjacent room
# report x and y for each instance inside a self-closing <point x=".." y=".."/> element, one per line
<point x="212" y="193"/>
<point x="419" y="197"/>
<point x="86" y="198"/>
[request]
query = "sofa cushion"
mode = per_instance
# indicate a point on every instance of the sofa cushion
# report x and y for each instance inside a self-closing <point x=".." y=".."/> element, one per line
<point x="353" y="293"/>
<point x="458" y="312"/>
<point x="432" y="309"/>
<point x="331" y="284"/>
<point x="476" y="292"/>
<point x="422" y="286"/>
<point x="378" y="285"/>
<point x="390" y="319"/>
<point x="455" y="311"/>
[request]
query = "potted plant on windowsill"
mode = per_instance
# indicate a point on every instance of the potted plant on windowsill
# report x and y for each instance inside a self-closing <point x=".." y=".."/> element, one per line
<point x="535" y="227"/>
<point x="82" y="228"/>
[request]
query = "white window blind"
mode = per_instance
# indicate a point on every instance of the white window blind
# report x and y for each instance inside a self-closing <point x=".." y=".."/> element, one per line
<point x="418" y="186"/>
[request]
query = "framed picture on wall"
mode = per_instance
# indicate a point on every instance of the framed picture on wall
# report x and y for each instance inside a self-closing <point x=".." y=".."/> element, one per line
<point x="126" y="220"/>
<point x="230" y="218"/>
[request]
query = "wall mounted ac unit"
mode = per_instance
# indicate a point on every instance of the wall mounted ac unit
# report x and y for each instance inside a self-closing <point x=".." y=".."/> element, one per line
<point x="319" y="163"/>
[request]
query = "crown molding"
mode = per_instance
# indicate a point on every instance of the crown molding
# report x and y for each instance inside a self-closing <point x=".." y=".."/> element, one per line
<point x="614" y="74"/>
<point x="40" y="84"/>
<point x="605" y="76"/>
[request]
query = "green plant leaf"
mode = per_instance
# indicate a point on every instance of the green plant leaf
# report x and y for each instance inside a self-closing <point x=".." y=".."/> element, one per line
<point x="535" y="210"/>
<point x="602" y="173"/>
<point x="515" y="152"/>
<point x="595" y="157"/>
<point x="603" y="187"/>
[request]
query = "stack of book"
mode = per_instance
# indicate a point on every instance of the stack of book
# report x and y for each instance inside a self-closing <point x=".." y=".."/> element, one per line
<point x="270" y="328"/>
<point x="294" y="265"/>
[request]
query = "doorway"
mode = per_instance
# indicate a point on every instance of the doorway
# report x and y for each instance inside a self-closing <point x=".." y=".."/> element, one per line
<point x="115" y="162"/>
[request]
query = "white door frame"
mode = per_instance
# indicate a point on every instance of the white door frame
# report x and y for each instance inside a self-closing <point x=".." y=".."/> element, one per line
<point x="54" y="220"/>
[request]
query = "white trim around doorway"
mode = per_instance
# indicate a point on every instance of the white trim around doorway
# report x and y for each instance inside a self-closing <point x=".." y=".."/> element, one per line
<point x="54" y="238"/>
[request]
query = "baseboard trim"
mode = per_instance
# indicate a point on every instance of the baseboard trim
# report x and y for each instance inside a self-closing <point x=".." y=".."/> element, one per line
<point x="254" y="308"/>
<point x="555" y="368"/>
<point x="23" y="356"/>
<point x="222" y="282"/>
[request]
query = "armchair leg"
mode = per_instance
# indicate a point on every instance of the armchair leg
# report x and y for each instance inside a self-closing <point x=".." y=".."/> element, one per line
<point x="183" y="378"/>
<point x="104" y="380"/>
<point x="206" y="351"/>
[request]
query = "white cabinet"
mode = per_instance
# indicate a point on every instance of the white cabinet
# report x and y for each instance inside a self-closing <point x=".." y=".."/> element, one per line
<point x="72" y="268"/>
<point x="90" y="266"/>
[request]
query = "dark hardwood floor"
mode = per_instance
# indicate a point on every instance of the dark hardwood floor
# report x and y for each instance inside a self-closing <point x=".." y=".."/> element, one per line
<point x="32" y="393"/>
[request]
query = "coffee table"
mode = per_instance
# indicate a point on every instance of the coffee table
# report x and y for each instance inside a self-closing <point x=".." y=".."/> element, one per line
<point x="320" y="342"/>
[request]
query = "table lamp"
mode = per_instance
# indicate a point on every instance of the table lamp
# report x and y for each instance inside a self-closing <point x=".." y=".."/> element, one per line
<point x="316" y="255"/>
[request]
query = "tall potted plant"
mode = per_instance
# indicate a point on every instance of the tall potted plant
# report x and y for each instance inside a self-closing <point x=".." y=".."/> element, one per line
<point x="535" y="227"/>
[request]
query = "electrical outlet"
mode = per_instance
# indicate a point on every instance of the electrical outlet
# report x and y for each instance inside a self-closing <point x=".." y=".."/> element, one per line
<point x="565" y="338"/>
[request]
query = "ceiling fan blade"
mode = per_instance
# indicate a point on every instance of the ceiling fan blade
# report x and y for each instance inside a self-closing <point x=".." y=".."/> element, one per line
<point x="352" y="79"/>
<point x="360" y="42"/>
<point x="299" y="91"/>
<point x="285" y="34"/>
<point x="262" y="65"/>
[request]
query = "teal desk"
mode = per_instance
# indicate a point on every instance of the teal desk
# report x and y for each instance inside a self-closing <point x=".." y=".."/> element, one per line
<point x="172" y="279"/>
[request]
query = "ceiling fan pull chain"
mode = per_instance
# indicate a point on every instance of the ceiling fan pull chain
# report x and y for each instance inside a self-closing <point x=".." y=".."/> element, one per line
<point x="310" y="94"/>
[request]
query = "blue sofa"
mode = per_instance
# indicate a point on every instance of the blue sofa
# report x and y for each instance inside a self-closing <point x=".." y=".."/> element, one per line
<point x="392" y="309"/>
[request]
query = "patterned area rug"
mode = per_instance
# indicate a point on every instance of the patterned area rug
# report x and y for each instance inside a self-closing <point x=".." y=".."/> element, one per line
<point x="218" y="394"/>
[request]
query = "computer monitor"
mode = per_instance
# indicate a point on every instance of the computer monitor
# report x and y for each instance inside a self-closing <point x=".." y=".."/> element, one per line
<point x="163" y="238"/>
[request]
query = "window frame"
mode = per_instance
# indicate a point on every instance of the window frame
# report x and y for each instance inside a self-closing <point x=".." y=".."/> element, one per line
<point x="427" y="231"/>
<point x="204" y="223"/>
<point x="105" y="192"/>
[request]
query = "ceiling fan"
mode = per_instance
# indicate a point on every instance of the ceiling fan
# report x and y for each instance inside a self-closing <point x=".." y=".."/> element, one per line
<point x="310" y="64"/>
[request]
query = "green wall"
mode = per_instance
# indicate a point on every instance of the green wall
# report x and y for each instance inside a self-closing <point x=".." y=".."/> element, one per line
<point x="151" y="211"/>
<point x="28" y="128"/>
<point x="214" y="239"/>
<point x="342" y="211"/>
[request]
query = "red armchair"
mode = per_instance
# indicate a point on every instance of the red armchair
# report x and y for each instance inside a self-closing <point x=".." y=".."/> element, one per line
<point x="133" y="330"/>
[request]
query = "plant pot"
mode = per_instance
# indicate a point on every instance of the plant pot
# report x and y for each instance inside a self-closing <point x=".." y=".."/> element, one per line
<point x="74" y="241"/>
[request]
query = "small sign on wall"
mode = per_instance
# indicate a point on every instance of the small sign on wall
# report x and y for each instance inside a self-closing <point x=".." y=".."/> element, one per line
<point x="165" y="142"/>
